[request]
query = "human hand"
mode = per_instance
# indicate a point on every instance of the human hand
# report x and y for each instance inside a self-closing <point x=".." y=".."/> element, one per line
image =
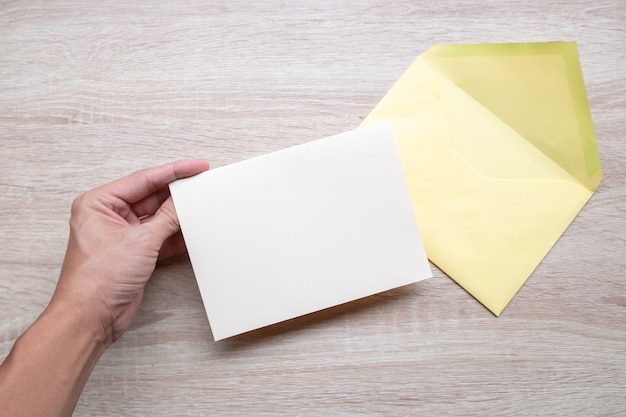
<point x="117" y="233"/>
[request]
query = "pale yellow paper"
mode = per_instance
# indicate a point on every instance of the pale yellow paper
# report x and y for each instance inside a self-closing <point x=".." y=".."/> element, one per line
<point x="497" y="146"/>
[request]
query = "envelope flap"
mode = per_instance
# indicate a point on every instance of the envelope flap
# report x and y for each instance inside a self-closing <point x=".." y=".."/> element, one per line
<point x="537" y="89"/>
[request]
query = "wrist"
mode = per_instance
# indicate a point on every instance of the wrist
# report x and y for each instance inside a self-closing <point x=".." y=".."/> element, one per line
<point x="82" y="316"/>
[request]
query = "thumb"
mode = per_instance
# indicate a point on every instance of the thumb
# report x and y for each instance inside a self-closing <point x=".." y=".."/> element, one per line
<point x="164" y="223"/>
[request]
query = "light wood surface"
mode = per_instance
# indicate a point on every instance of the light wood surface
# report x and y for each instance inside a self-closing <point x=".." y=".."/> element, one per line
<point x="90" y="91"/>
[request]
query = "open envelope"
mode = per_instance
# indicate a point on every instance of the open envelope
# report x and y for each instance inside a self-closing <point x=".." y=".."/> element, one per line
<point x="497" y="146"/>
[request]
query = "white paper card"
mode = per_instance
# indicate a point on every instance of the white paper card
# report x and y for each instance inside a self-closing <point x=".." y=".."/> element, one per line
<point x="299" y="230"/>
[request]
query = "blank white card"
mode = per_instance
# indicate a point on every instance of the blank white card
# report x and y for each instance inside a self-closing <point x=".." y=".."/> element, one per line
<point x="299" y="230"/>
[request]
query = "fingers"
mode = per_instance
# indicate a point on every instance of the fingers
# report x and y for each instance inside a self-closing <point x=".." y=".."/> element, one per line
<point x="164" y="223"/>
<point x="142" y="184"/>
<point x="149" y="205"/>
<point x="173" y="245"/>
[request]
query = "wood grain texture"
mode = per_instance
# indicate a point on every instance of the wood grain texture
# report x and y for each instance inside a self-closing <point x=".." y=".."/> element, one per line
<point x="90" y="91"/>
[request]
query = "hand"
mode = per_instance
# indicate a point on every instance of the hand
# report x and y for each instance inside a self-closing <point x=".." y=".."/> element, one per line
<point x="117" y="233"/>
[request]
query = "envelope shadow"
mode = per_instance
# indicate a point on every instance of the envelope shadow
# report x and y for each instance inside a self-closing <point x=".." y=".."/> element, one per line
<point x="324" y="317"/>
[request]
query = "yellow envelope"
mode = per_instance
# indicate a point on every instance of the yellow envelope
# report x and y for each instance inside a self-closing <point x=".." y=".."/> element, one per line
<point x="498" y="149"/>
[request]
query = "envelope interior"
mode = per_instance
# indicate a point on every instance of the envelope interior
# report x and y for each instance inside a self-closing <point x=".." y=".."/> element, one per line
<point x="490" y="202"/>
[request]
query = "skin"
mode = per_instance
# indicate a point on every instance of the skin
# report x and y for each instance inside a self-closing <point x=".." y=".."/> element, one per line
<point x="117" y="233"/>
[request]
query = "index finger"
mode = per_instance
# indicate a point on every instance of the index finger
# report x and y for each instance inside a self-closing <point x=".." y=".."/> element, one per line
<point x="145" y="182"/>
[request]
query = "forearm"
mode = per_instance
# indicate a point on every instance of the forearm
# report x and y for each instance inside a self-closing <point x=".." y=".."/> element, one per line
<point x="50" y="363"/>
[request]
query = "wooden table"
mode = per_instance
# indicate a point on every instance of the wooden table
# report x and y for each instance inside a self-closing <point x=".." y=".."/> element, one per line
<point x="90" y="91"/>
